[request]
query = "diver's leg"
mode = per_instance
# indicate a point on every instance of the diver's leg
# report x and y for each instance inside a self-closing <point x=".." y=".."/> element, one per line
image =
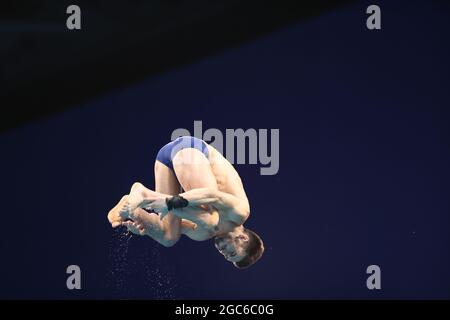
<point x="166" y="231"/>
<point x="167" y="183"/>
<point x="193" y="170"/>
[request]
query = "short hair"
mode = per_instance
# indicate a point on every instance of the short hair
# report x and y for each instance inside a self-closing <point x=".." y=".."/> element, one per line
<point x="254" y="250"/>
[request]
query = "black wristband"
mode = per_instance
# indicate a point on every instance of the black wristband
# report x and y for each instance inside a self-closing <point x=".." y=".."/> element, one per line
<point x="176" y="202"/>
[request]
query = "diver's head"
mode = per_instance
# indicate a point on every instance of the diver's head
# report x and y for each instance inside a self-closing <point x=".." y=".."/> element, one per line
<point x="241" y="246"/>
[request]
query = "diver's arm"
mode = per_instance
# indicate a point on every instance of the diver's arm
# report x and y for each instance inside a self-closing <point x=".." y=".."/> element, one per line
<point x="235" y="209"/>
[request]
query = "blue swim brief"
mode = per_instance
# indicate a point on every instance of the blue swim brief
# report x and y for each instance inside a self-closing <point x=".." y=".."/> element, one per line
<point x="167" y="153"/>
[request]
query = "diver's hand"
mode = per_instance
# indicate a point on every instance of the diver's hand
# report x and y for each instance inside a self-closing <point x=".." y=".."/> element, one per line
<point x="159" y="206"/>
<point x="135" y="227"/>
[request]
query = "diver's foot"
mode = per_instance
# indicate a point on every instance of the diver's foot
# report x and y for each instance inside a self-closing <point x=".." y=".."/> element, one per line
<point x="117" y="214"/>
<point x="135" y="198"/>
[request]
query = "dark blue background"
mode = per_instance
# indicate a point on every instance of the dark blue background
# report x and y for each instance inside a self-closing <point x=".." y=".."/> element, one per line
<point x="364" y="155"/>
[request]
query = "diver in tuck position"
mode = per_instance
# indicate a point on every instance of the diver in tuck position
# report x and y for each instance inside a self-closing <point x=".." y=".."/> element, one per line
<point x="214" y="204"/>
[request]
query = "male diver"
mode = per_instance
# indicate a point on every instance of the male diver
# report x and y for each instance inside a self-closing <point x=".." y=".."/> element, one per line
<point x="213" y="204"/>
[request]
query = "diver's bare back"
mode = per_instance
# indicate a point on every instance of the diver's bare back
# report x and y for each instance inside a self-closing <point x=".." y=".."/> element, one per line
<point x="209" y="221"/>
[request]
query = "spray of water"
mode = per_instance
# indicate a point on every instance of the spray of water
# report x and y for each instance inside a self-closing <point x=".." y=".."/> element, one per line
<point x="118" y="271"/>
<point x="157" y="279"/>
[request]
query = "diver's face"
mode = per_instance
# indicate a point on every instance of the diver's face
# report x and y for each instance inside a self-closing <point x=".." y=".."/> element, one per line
<point x="232" y="247"/>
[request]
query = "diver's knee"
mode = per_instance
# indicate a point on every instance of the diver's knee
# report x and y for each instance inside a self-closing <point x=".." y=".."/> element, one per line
<point x="170" y="241"/>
